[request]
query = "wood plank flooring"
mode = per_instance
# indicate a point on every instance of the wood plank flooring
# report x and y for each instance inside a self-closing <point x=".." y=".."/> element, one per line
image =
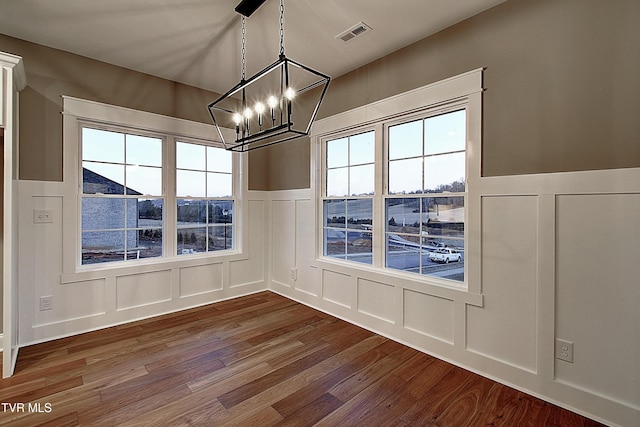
<point x="259" y="360"/>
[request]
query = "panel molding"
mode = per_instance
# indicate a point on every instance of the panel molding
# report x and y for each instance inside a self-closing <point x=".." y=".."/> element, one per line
<point x="539" y="376"/>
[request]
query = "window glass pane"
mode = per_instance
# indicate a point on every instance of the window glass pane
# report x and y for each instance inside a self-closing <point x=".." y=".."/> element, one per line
<point x="220" y="237"/>
<point x="359" y="247"/>
<point x="145" y="243"/>
<point x="405" y="176"/>
<point x="221" y="212"/>
<point x="219" y="160"/>
<point x="102" y="246"/>
<point x="403" y="215"/>
<point x="102" y="213"/>
<point x="359" y="237"/>
<point x="446" y="260"/>
<point x="337" y="153"/>
<point x="144" y="150"/>
<point x="402" y="254"/>
<point x="338" y="182"/>
<point x="103" y="178"/>
<point x="150" y="212"/>
<point x="361" y="180"/>
<point x="335" y="213"/>
<point x="219" y="185"/>
<point x="190" y="183"/>
<point x="443" y="217"/>
<point x="445" y="133"/>
<point x="335" y="242"/>
<point x="192" y="240"/>
<point x="445" y="172"/>
<point x="131" y="213"/>
<point x="405" y="140"/>
<point x="102" y="146"/>
<point x="361" y="148"/>
<point x="359" y="214"/>
<point x="190" y="156"/>
<point x="144" y="180"/>
<point x="192" y="212"/>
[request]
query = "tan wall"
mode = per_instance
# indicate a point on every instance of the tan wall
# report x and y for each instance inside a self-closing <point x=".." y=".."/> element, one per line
<point x="52" y="73"/>
<point x="561" y="79"/>
<point x="562" y="86"/>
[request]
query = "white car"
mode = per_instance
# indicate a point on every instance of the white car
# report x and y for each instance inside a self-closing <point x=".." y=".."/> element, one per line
<point x="445" y="255"/>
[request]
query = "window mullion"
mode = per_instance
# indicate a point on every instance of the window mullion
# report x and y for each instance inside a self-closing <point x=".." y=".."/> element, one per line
<point x="170" y="199"/>
<point x="378" y="196"/>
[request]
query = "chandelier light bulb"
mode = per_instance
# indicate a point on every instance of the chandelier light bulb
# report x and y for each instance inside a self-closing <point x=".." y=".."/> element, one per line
<point x="259" y="107"/>
<point x="272" y="101"/>
<point x="248" y="113"/>
<point x="237" y="118"/>
<point x="289" y="93"/>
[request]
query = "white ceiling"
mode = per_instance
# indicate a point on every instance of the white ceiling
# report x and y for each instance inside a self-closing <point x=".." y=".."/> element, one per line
<point x="197" y="42"/>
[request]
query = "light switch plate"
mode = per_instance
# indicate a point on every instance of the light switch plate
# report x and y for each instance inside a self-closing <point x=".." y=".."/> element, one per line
<point x="42" y="216"/>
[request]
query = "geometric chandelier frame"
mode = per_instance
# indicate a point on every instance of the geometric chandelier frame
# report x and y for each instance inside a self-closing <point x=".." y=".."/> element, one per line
<point x="275" y="105"/>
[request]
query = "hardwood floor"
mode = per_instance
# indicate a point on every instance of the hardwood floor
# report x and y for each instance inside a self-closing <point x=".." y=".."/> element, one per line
<point x="259" y="360"/>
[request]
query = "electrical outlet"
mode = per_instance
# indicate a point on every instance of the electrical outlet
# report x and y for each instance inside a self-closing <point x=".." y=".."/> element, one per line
<point x="46" y="303"/>
<point x="294" y="273"/>
<point x="564" y="350"/>
<point x="42" y="216"/>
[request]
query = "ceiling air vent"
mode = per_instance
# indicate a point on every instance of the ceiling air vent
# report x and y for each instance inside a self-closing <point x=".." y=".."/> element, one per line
<point x="353" y="32"/>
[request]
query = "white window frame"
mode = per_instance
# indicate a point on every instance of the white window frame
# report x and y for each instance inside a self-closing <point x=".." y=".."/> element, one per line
<point x="323" y="183"/>
<point x="205" y="198"/>
<point x="82" y="195"/>
<point x="464" y="90"/>
<point x="80" y="113"/>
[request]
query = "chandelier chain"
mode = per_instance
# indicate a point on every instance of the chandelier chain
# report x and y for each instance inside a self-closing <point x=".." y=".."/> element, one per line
<point x="244" y="61"/>
<point x="281" y="27"/>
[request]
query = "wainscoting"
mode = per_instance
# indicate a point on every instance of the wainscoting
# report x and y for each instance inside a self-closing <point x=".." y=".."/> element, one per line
<point x="256" y="360"/>
<point x="88" y="300"/>
<point x="558" y="259"/>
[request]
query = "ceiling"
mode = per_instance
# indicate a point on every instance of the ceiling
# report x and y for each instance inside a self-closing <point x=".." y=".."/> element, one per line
<point x="198" y="42"/>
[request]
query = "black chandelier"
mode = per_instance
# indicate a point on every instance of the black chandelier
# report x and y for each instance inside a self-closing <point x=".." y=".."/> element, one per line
<point x="269" y="107"/>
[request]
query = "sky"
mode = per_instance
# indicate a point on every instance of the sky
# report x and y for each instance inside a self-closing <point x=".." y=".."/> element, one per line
<point x="422" y="154"/>
<point x="136" y="162"/>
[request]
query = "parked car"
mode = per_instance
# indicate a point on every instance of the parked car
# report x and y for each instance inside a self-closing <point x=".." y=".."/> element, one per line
<point x="445" y="255"/>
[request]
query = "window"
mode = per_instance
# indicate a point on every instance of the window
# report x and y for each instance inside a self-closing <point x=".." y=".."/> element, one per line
<point x="400" y="202"/>
<point x="145" y="189"/>
<point x="122" y="197"/>
<point x="348" y="202"/>
<point x="424" y="207"/>
<point x="204" y="187"/>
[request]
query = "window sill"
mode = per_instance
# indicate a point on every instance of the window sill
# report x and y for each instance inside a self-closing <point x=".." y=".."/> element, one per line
<point x="125" y="268"/>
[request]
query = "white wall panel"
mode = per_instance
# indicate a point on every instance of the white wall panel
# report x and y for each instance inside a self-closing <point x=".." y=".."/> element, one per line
<point x="200" y="279"/>
<point x="242" y="272"/>
<point x="283" y="238"/>
<point x="47" y="250"/>
<point x="101" y="296"/>
<point x="88" y="300"/>
<point x="338" y="288"/>
<point x="428" y="315"/>
<point x="143" y="289"/>
<point x="598" y="292"/>
<point x="308" y="275"/>
<point x="376" y="299"/>
<point x="505" y="328"/>
<point x="252" y="270"/>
